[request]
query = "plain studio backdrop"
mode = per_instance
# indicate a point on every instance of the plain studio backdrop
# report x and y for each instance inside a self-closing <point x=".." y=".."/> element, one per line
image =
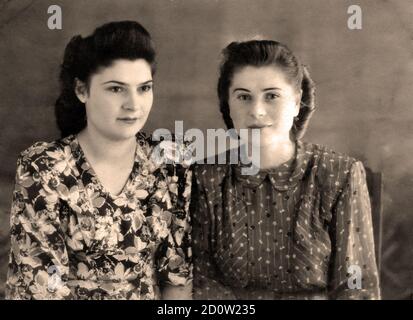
<point x="364" y="85"/>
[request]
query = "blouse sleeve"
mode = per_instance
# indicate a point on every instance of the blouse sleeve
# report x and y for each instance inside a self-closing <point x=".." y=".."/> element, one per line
<point x="38" y="260"/>
<point x="174" y="265"/>
<point x="353" y="270"/>
<point x="206" y="281"/>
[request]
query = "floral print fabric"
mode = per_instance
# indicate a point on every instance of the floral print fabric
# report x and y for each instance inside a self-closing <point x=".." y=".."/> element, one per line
<point x="71" y="239"/>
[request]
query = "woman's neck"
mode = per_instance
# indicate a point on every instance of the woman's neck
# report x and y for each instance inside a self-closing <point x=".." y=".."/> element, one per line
<point x="272" y="155"/>
<point x="101" y="149"/>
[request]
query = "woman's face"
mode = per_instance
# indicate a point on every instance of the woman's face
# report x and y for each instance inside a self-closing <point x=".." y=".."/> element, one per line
<point x="262" y="98"/>
<point x="119" y="99"/>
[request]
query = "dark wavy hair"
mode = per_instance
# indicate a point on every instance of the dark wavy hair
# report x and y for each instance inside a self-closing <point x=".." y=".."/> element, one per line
<point x="85" y="56"/>
<point x="263" y="53"/>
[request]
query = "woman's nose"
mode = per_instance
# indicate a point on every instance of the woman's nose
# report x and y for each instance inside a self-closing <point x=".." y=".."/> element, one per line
<point x="257" y="110"/>
<point x="132" y="102"/>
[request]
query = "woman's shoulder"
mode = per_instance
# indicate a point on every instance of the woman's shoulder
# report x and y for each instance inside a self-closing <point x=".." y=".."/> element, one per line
<point x="333" y="168"/>
<point x="211" y="171"/>
<point x="326" y="154"/>
<point x="150" y="142"/>
<point x="47" y="153"/>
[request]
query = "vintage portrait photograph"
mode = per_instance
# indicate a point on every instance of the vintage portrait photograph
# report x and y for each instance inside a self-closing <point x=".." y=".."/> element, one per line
<point x="236" y="150"/>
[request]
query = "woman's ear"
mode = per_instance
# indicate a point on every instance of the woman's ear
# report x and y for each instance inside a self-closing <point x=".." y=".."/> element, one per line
<point x="81" y="90"/>
<point x="298" y="102"/>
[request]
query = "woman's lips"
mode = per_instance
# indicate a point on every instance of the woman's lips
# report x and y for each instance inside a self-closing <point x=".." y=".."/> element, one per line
<point x="259" y="126"/>
<point x="128" y="120"/>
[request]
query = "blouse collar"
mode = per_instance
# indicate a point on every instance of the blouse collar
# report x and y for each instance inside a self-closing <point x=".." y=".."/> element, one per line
<point x="284" y="177"/>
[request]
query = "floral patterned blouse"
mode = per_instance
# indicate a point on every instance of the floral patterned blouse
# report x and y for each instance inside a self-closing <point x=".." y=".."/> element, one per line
<point x="300" y="231"/>
<point x="71" y="239"/>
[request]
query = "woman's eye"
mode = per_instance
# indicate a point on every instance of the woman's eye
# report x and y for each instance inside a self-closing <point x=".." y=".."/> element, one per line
<point x="116" y="89"/>
<point x="271" y="96"/>
<point x="244" y="97"/>
<point x="146" y="88"/>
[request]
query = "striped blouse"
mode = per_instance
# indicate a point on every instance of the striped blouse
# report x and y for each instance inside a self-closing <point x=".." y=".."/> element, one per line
<point x="300" y="231"/>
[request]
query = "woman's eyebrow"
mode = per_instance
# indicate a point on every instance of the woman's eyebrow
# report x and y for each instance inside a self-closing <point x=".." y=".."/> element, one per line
<point x="125" y="84"/>
<point x="240" y="89"/>
<point x="273" y="88"/>
<point x="115" y="81"/>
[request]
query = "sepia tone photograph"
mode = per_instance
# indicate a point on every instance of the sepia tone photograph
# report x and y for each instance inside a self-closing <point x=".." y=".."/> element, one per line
<point x="206" y="150"/>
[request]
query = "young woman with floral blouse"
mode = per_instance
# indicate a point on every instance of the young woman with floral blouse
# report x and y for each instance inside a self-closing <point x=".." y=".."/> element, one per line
<point x="94" y="216"/>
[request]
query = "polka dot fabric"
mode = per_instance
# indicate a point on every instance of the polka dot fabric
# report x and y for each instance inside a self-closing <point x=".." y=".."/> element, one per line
<point x="294" y="232"/>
